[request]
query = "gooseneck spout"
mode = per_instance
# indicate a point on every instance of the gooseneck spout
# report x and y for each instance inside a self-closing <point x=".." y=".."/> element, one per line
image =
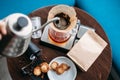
<point x="52" y="20"/>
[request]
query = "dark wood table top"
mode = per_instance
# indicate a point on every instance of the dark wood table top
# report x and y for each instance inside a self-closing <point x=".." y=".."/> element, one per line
<point x="98" y="71"/>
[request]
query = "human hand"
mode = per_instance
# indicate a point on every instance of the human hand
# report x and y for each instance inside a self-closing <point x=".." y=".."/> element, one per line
<point x="3" y="30"/>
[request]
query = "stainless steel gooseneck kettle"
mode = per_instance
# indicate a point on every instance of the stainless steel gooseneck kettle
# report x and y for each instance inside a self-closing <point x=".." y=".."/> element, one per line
<point x="19" y="31"/>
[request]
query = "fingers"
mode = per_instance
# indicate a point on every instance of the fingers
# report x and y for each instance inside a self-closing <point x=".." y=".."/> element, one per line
<point x="3" y="28"/>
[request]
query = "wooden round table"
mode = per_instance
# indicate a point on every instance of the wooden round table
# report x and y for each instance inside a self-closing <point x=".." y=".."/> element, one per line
<point x="98" y="71"/>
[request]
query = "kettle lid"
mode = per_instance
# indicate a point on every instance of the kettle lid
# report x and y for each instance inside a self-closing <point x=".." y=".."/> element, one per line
<point x="21" y="23"/>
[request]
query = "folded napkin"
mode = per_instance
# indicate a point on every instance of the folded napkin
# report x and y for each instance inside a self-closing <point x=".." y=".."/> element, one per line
<point x="87" y="50"/>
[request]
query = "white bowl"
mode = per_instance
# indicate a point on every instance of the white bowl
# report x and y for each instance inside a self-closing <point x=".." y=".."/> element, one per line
<point x="67" y="75"/>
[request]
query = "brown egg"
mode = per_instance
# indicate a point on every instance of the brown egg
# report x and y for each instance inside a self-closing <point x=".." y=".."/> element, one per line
<point x="59" y="70"/>
<point x="44" y="67"/>
<point x="54" y="65"/>
<point x="37" y="71"/>
<point x="65" y="66"/>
